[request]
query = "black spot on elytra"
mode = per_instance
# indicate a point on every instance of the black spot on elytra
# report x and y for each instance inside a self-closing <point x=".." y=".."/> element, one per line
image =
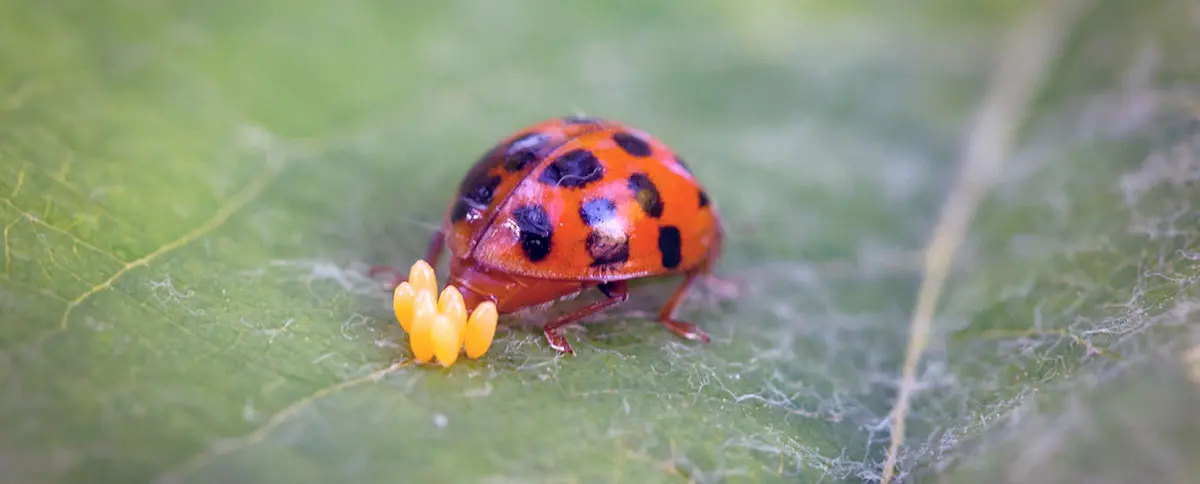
<point x="577" y="168"/>
<point x="481" y="192"/>
<point x="632" y="144"/>
<point x="669" y="244"/>
<point x="476" y="192"/>
<point x="646" y="194"/>
<point x="480" y="169"/>
<point x="525" y="150"/>
<point x="597" y="211"/>
<point x="703" y="198"/>
<point x="459" y="212"/>
<point x="607" y="249"/>
<point x="533" y="225"/>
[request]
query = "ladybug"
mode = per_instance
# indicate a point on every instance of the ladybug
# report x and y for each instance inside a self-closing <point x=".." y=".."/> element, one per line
<point x="574" y="203"/>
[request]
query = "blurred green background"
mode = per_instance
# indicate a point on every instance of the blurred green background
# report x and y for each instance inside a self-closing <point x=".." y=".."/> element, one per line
<point x="192" y="192"/>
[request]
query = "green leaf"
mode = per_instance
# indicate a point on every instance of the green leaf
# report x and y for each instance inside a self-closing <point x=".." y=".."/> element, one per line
<point x="192" y="194"/>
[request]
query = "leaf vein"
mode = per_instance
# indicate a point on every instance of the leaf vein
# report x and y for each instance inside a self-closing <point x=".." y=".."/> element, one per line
<point x="252" y="190"/>
<point x="222" y="447"/>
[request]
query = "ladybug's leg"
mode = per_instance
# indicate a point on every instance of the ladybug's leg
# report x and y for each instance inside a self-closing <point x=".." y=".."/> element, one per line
<point x="434" y="250"/>
<point x="617" y="292"/>
<point x="666" y="316"/>
<point x="377" y="270"/>
<point x="723" y="288"/>
<point x="432" y="253"/>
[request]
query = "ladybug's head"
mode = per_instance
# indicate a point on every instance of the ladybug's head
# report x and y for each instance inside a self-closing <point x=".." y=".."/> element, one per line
<point x="477" y="286"/>
<point x="509" y="292"/>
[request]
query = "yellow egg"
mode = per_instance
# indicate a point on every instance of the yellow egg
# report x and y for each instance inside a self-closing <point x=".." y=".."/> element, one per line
<point x="481" y="329"/>
<point x="402" y="303"/>
<point x="422" y="277"/>
<point x="451" y="304"/>
<point x="445" y="335"/>
<point x="419" y="338"/>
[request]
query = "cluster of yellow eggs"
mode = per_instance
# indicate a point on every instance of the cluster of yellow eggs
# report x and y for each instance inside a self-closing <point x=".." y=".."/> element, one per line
<point x="438" y="326"/>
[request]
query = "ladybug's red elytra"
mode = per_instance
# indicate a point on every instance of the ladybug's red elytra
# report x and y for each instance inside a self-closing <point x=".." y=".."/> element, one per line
<point x="575" y="203"/>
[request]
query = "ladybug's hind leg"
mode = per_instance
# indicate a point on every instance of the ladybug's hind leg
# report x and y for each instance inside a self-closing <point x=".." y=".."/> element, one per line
<point x="432" y="253"/>
<point x="666" y="316"/>
<point x="617" y="292"/>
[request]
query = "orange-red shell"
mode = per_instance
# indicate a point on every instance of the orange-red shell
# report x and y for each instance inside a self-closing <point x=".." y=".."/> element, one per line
<point x="581" y="199"/>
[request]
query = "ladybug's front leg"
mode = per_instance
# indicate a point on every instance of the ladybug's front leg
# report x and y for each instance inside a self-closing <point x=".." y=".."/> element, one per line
<point x="433" y="251"/>
<point x="617" y="292"/>
<point x="666" y="317"/>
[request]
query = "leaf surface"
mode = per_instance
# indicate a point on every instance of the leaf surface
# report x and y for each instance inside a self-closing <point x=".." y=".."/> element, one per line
<point x="192" y="194"/>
